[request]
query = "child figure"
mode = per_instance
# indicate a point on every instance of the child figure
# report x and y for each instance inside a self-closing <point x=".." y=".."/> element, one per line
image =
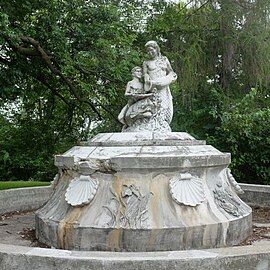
<point x="139" y="106"/>
<point x="135" y="86"/>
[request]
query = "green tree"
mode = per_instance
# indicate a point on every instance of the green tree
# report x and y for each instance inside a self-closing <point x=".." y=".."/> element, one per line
<point x="65" y="65"/>
<point x="221" y="50"/>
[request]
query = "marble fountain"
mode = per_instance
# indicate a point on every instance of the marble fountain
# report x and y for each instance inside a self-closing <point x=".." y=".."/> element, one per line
<point x="146" y="188"/>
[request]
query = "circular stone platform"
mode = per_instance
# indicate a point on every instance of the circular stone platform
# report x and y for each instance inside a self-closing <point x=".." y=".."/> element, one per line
<point x="143" y="192"/>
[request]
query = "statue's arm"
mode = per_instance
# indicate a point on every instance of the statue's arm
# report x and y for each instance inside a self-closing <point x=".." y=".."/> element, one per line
<point x="170" y="75"/>
<point x="147" y="80"/>
<point x="170" y="70"/>
<point x="128" y="92"/>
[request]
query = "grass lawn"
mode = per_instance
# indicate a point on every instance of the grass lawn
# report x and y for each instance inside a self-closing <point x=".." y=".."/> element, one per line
<point x="21" y="184"/>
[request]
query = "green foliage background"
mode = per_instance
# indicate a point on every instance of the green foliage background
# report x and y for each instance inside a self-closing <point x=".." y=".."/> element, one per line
<point x="64" y="66"/>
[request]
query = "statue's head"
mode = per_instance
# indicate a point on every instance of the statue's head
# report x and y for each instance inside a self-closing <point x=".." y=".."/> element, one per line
<point x="137" y="72"/>
<point x="152" y="49"/>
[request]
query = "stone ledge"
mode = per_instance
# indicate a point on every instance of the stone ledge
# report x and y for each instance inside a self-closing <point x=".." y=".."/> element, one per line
<point x="143" y="138"/>
<point x="256" y="195"/>
<point x="244" y="257"/>
<point x="145" y="157"/>
<point x="23" y="199"/>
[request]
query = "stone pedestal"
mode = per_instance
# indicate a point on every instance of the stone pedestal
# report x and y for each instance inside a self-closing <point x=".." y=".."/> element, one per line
<point x="143" y="192"/>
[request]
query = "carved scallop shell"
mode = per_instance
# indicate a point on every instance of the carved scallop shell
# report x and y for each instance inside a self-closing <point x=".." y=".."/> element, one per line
<point x="81" y="190"/>
<point x="187" y="189"/>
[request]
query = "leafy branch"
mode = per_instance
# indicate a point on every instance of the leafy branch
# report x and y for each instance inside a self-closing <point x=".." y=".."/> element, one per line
<point x="37" y="50"/>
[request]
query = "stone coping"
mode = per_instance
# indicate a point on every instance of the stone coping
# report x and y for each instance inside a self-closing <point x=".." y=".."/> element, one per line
<point x="256" y="188"/>
<point x="23" y="199"/>
<point x="256" y="195"/>
<point x="143" y="138"/>
<point x="243" y="257"/>
<point x="144" y="157"/>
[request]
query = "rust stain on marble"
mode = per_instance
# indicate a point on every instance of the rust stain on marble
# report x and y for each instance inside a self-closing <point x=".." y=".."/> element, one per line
<point x="113" y="240"/>
<point x="152" y="239"/>
<point x="156" y="207"/>
<point x="117" y="187"/>
<point x="65" y="226"/>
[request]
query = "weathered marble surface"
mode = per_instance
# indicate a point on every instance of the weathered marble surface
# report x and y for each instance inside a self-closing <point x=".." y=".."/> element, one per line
<point x="137" y="204"/>
<point x="243" y="257"/>
<point x="144" y="138"/>
<point x="18" y="199"/>
<point x="256" y="195"/>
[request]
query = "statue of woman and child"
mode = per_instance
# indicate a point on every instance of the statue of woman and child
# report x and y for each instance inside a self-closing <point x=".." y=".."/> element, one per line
<point x="149" y="106"/>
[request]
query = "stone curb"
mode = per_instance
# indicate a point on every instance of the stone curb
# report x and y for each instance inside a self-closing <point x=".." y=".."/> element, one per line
<point x="256" y="195"/>
<point x="244" y="257"/>
<point x="23" y="199"/>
